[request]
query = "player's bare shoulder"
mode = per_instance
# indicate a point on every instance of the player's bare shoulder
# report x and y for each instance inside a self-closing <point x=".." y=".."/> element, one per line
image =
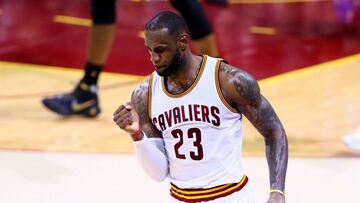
<point x="139" y="98"/>
<point x="238" y="86"/>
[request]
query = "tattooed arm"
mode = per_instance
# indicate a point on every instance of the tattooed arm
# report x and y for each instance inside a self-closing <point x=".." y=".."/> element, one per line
<point x="133" y="116"/>
<point x="242" y="92"/>
<point x="139" y="100"/>
<point x="149" y="146"/>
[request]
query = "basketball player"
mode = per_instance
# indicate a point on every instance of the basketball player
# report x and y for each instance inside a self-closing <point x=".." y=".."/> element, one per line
<point x="83" y="100"/>
<point x="185" y="121"/>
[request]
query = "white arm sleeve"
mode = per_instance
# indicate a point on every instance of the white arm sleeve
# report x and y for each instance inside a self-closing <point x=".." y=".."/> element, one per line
<point x="150" y="152"/>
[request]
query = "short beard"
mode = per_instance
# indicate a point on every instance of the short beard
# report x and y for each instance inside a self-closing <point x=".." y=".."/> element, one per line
<point x="176" y="63"/>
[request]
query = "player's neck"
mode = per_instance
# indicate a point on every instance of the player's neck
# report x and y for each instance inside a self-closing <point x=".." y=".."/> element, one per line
<point x="186" y="74"/>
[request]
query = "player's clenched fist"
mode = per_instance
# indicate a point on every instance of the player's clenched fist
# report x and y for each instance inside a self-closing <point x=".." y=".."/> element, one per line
<point x="127" y="119"/>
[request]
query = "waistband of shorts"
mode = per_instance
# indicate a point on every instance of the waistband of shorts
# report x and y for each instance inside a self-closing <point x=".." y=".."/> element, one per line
<point x="206" y="194"/>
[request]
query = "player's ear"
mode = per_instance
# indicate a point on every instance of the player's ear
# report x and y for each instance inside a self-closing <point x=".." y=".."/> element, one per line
<point x="183" y="41"/>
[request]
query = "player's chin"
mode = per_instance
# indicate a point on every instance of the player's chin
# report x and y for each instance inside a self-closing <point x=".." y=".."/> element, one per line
<point x="161" y="70"/>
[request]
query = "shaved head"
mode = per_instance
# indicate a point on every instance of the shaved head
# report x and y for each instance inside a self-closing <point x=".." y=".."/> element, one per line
<point x="174" y="23"/>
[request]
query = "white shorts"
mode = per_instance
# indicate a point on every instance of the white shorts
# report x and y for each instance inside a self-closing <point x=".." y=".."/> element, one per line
<point x="245" y="195"/>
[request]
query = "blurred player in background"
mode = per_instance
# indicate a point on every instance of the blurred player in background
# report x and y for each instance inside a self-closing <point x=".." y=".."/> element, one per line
<point x="83" y="100"/>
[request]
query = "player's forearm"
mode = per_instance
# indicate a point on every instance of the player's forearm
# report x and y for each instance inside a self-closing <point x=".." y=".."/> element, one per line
<point x="150" y="152"/>
<point x="277" y="158"/>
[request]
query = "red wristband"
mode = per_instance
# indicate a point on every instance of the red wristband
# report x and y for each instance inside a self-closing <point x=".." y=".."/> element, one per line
<point x="137" y="136"/>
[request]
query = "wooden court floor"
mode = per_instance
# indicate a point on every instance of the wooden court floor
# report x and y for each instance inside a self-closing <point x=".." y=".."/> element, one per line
<point x="318" y="106"/>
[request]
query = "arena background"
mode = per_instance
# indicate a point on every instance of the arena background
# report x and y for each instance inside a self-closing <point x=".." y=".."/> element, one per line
<point x="304" y="55"/>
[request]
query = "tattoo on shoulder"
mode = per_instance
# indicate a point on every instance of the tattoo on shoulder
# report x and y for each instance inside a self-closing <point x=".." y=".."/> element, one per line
<point x="245" y="84"/>
<point x="140" y="102"/>
<point x="139" y="99"/>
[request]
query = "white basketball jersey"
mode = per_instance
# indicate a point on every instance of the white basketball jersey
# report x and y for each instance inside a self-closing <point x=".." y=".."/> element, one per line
<point x="201" y="131"/>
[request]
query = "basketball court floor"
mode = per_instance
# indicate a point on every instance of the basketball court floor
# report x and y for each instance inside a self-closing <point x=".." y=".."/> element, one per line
<point x="306" y="59"/>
